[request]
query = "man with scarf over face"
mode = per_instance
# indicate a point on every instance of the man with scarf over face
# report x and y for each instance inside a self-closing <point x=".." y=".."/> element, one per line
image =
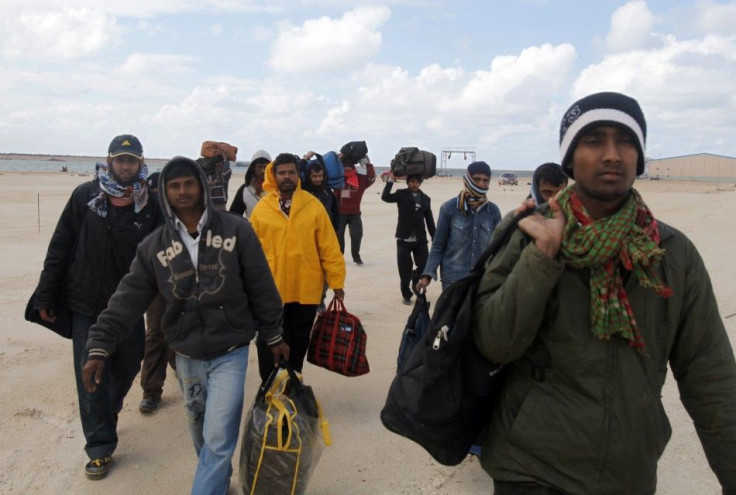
<point x="464" y="229"/>
<point x="90" y="251"/>
<point x="588" y="304"/>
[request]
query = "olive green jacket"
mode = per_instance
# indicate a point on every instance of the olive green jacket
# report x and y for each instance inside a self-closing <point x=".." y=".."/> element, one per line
<point x="585" y="415"/>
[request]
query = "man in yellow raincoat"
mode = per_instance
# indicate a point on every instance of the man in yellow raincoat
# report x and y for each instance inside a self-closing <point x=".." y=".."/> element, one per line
<point x="302" y="251"/>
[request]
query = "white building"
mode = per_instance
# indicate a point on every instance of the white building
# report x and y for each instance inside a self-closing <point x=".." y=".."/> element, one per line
<point x="699" y="167"/>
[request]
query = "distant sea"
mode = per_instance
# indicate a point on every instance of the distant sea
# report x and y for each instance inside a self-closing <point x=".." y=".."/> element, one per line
<point x="82" y="168"/>
<point x="88" y="168"/>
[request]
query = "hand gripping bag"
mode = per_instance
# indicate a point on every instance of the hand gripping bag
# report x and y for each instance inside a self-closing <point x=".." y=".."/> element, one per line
<point x="284" y="436"/>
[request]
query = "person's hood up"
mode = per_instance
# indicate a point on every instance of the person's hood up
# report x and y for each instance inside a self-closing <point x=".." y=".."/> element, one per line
<point x="536" y="195"/>
<point x="166" y="207"/>
<point x="269" y="181"/>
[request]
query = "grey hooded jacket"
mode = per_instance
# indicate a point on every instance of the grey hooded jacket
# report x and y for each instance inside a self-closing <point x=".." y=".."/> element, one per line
<point x="210" y="309"/>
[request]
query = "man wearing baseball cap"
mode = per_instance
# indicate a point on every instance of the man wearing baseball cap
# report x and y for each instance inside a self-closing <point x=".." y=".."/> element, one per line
<point x="91" y="249"/>
<point x="588" y="305"/>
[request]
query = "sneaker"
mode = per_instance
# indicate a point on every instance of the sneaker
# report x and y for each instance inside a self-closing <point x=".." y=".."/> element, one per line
<point x="97" y="469"/>
<point x="148" y="405"/>
<point x="358" y="261"/>
<point x="407" y="301"/>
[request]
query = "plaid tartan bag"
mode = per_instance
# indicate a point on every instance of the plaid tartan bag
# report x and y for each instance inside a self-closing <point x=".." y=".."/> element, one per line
<point x="338" y="341"/>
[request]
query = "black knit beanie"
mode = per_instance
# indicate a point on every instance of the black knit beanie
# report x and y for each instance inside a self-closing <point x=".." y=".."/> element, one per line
<point x="597" y="110"/>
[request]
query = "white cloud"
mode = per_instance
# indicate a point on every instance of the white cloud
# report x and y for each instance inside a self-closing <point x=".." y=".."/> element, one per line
<point x="715" y="17"/>
<point x="156" y="65"/>
<point x="683" y="86"/>
<point x="55" y="34"/>
<point x="631" y="28"/>
<point x="329" y="44"/>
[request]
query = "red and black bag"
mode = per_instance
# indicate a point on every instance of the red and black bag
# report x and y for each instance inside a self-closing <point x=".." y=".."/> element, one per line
<point x="338" y="342"/>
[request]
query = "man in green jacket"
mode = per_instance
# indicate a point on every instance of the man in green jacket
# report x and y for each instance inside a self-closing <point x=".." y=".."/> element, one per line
<point x="588" y="303"/>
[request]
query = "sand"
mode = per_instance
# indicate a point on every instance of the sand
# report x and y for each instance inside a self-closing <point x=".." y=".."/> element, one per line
<point x="41" y="445"/>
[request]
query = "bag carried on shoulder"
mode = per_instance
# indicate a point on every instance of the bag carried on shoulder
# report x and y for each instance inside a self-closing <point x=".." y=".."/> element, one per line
<point x="413" y="161"/>
<point x="415" y="329"/>
<point x="284" y="436"/>
<point x="334" y="171"/>
<point x="442" y="395"/>
<point x="338" y="341"/>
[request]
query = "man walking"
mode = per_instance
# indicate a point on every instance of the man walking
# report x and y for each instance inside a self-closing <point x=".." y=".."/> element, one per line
<point x="251" y="191"/>
<point x="349" y="198"/>
<point x="415" y="210"/>
<point x="302" y="251"/>
<point x="589" y="303"/>
<point x="315" y="183"/>
<point x="209" y="267"/>
<point x="90" y="251"/>
<point x="464" y="229"/>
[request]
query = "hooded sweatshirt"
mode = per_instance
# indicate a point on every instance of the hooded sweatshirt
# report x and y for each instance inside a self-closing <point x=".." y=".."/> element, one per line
<point x="301" y="249"/>
<point x="211" y="308"/>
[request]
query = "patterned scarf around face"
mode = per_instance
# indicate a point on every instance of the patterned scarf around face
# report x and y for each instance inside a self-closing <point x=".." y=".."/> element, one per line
<point x="627" y="240"/>
<point x="471" y="197"/>
<point x="137" y="192"/>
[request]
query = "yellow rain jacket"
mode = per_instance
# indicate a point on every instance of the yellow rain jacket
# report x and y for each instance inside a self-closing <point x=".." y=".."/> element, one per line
<point x="301" y="249"/>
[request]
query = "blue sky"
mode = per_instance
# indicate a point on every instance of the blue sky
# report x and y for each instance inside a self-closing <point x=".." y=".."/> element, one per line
<point x="314" y="74"/>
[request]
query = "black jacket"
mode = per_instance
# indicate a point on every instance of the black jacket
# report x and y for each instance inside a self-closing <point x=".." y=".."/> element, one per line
<point x="327" y="197"/>
<point x="411" y="219"/>
<point x="210" y="308"/>
<point x="88" y="254"/>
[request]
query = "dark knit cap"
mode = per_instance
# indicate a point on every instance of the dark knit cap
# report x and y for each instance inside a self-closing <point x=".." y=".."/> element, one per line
<point x="479" y="168"/>
<point x="597" y="110"/>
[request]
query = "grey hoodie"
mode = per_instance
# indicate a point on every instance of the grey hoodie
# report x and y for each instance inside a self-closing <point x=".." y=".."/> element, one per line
<point x="210" y="309"/>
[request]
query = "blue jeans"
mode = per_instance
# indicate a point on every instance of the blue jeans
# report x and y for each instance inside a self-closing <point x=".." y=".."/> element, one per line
<point x="213" y="394"/>
<point x="98" y="410"/>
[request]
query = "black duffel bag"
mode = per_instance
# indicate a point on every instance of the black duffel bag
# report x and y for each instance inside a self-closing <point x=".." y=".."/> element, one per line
<point x="441" y="398"/>
<point x="354" y="151"/>
<point x="413" y="161"/>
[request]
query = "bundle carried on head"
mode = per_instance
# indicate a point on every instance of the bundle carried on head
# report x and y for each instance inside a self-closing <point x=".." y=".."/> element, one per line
<point x="213" y="149"/>
<point x="413" y="161"/>
<point x="354" y="151"/>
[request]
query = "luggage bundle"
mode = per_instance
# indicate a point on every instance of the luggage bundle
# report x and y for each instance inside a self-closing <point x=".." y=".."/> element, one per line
<point x="338" y="342"/>
<point x="213" y="149"/>
<point x="334" y="171"/>
<point x="413" y="161"/>
<point x="354" y="151"/>
<point x="284" y="436"/>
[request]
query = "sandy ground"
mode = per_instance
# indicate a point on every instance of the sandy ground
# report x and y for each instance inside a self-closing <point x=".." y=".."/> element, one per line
<point x="41" y="445"/>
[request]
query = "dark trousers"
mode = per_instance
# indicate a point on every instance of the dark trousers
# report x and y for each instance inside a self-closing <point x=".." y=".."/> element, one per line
<point x="355" y="225"/>
<point x="157" y="356"/>
<point x="98" y="410"/>
<point x="511" y="488"/>
<point x="298" y="321"/>
<point x="408" y="274"/>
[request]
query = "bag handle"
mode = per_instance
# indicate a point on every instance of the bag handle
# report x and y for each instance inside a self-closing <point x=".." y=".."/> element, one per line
<point x="268" y="383"/>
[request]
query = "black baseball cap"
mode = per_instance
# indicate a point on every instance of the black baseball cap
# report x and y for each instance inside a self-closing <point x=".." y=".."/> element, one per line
<point x="125" y="144"/>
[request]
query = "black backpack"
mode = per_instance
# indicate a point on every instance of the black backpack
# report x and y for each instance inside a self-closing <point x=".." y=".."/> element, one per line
<point x="442" y="396"/>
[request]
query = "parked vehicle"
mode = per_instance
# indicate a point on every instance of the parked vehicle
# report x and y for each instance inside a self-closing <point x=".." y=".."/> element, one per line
<point x="508" y="178"/>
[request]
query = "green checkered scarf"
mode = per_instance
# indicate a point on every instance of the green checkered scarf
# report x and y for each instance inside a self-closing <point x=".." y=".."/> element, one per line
<point x="629" y="240"/>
